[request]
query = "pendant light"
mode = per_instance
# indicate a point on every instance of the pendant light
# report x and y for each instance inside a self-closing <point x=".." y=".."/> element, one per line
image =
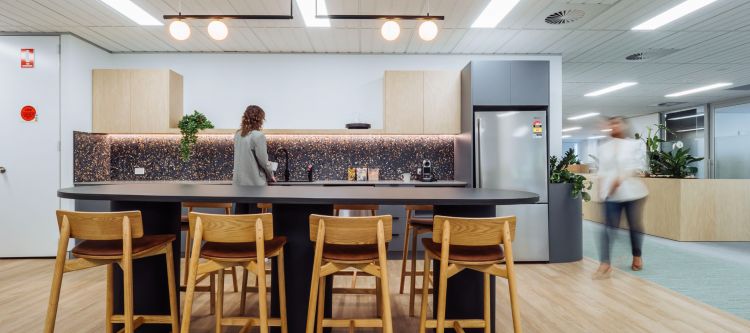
<point x="179" y="30"/>
<point x="218" y="30"/>
<point x="390" y="30"/>
<point x="428" y="30"/>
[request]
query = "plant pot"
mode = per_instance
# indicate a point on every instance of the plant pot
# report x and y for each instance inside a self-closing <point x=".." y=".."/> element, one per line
<point x="565" y="225"/>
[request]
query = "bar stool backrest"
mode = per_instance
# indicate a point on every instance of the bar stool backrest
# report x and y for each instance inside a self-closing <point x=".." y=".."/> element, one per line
<point x="351" y="230"/>
<point x="473" y="231"/>
<point x="191" y="204"/>
<point x="100" y="226"/>
<point x="231" y="228"/>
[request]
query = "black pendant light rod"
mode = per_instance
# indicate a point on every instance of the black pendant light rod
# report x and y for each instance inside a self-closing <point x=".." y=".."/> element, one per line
<point x="181" y="16"/>
<point x="378" y="17"/>
<point x="381" y="17"/>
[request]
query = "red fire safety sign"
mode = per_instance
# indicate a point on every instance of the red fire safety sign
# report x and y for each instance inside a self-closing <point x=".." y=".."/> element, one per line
<point x="27" y="58"/>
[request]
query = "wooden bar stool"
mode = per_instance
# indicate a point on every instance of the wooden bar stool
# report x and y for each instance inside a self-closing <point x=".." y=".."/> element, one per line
<point x="349" y="242"/>
<point x="265" y="207"/>
<point x="353" y="290"/>
<point x="414" y="226"/>
<point x="108" y="239"/>
<point x="235" y="240"/>
<point x="480" y="244"/>
<point x="244" y="289"/>
<point x="227" y="206"/>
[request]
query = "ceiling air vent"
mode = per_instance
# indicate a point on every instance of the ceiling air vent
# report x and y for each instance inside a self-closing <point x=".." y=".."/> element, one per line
<point x="565" y="16"/>
<point x="650" y="54"/>
<point x="668" y="104"/>
<point x="741" y="88"/>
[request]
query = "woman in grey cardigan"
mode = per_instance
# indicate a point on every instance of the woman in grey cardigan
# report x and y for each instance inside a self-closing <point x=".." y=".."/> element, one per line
<point x="251" y="165"/>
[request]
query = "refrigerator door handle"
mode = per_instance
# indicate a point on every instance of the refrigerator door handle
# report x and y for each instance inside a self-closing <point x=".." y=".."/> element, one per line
<point x="479" y="153"/>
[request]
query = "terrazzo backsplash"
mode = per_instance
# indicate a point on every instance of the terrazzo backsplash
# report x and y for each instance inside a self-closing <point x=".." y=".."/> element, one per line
<point x="111" y="157"/>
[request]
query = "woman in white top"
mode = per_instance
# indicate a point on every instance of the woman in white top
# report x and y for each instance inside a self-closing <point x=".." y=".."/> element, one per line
<point x="621" y="162"/>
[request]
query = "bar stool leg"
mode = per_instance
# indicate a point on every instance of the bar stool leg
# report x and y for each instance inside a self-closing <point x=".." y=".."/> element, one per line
<point x="384" y="289"/>
<point x="219" y="300"/>
<point x="234" y="278"/>
<point x="413" y="288"/>
<point x="187" y="258"/>
<point x="127" y="272"/>
<point x="262" y="295"/>
<point x="423" y="313"/>
<point x="190" y="289"/>
<point x="243" y="292"/>
<point x="212" y="292"/>
<point x="487" y="313"/>
<point x="321" y="305"/>
<point x="109" y="307"/>
<point x="407" y="229"/>
<point x="282" y="291"/>
<point x="54" y="295"/>
<point x="173" y="311"/>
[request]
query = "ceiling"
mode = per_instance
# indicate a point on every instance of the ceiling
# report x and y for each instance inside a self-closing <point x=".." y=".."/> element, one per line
<point x="708" y="46"/>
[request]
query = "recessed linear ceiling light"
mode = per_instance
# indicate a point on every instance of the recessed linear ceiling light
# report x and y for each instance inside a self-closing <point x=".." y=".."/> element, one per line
<point x="673" y="13"/>
<point x="699" y="89"/>
<point x="566" y="136"/>
<point x="610" y="89"/>
<point x="309" y="13"/>
<point x="583" y="116"/>
<point x="133" y="12"/>
<point x="690" y="130"/>
<point x="597" y="137"/>
<point x="494" y="13"/>
<point x="607" y="130"/>
<point x="571" y="129"/>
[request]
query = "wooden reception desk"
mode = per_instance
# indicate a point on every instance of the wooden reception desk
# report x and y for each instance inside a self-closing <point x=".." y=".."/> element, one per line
<point x="689" y="209"/>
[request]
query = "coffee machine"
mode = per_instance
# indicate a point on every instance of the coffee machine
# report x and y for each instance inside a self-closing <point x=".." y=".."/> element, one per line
<point x="425" y="172"/>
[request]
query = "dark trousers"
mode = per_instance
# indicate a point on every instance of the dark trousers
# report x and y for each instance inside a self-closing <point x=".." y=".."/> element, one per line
<point x="246" y="208"/>
<point x="633" y="213"/>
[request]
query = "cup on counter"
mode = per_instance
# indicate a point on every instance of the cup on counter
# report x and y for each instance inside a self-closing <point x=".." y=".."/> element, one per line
<point x="406" y="177"/>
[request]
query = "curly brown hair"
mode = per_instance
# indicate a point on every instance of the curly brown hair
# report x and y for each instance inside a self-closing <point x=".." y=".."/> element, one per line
<point x="252" y="119"/>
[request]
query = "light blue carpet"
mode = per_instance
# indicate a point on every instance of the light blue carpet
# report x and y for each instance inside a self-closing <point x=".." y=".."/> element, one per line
<point x="714" y="273"/>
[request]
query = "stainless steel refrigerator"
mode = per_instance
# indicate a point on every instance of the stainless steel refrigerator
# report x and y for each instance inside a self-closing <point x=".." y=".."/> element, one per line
<point x="510" y="152"/>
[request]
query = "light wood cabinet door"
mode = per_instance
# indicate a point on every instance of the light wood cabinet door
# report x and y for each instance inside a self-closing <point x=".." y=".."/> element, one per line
<point x="403" y="102"/>
<point x="111" y="101"/>
<point x="136" y="101"/>
<point x="442" y="102"/>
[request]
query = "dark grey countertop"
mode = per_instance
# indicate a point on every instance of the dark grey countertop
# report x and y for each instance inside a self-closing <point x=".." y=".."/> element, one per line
<point x="174" y="192"/>
<point x="414" y="183"/>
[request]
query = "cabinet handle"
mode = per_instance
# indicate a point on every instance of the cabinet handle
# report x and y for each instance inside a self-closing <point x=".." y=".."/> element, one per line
<point x="479" y="155"/>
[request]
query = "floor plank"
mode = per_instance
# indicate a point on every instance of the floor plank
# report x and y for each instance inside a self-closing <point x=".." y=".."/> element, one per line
<point x="554" y="298"/>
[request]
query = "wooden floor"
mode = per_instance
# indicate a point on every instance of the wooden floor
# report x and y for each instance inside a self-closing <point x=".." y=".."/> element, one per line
<point x="554" y="298"/>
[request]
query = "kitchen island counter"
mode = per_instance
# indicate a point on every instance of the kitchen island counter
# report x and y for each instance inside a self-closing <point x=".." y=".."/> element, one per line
<point x="160" y="205"/>
<point x="413" y="183"/>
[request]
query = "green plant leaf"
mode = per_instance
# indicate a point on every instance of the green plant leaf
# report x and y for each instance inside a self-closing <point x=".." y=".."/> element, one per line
<point x="189" y="126"/>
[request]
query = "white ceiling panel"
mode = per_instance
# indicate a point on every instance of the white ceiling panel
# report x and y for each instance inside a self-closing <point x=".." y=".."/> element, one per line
<point x="712" y="44"/>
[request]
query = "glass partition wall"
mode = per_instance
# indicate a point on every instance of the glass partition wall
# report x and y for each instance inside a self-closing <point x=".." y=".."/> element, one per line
<point x="688" y="127"/>
<point x="731" y="142"/>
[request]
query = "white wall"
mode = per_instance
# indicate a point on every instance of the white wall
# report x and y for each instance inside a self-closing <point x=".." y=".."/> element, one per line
<point x="77" y="59"/>
<point x="305" y="91"/>
<point x="641" y="124"/>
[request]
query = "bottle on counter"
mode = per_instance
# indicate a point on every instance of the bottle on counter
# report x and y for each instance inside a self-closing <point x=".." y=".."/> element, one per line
<point x="351" y="174"/>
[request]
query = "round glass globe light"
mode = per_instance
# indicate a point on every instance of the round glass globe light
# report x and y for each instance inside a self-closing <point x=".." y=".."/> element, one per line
<point x="390" y="30"/>
<point x="218" y="30"/>
<point x="179" y="30"/>
<point x="428" y="30"/>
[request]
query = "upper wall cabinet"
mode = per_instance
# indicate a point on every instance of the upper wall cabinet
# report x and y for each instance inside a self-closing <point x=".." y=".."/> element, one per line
<point x="422" y="102"/>
<point x="136" y="101"/>
<point x="510" y="83"/>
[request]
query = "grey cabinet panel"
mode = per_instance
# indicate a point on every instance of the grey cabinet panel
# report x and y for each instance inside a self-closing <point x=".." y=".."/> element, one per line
<point x="529" y="83"/>
<point x="491" y="82"/>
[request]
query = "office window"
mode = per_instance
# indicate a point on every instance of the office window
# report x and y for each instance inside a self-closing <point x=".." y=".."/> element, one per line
<point x="732" y="142"/>
<point x="687" y="126"/>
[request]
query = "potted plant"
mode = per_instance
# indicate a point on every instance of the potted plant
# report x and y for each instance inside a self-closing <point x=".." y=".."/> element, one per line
<point x="673" y="164"/>
<point x="189" y="126"/>
<point x="566" y="192"/>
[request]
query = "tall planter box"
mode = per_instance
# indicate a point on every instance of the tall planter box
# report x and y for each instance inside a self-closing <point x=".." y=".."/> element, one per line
<point x="565" y="225"/>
